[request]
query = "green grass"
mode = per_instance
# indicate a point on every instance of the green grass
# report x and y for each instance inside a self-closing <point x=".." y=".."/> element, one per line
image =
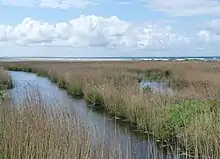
<point x="20" y="69"/>
<point x="5" y="82"/>
<point x="188" y="118"/>
<point x="1" y="94"/>
<point x="152" y="74"/>
<point x="147" y="89"/>
<point x="6" y="85"/>
<point x="158" y="75"/>
<point x="62" y="83"/>
<point x="53" y="79"/>
<point x="76" y="91"/>
<point x="94" y="98"/>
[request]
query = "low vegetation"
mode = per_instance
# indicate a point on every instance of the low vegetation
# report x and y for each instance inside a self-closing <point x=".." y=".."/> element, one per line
<point x="5" y="81"/>
<point x="190" y="117"/>
<point x="35" y="130"/>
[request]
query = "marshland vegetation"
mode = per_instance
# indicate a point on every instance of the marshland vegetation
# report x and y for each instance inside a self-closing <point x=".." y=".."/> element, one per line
<point x="190" y="117"/>
<point x="5" y="80"/>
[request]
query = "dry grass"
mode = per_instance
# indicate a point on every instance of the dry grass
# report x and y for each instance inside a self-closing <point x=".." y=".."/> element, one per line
<point x="35" y="130"/>
<point x="191" y="116"/>
<point x="5" y="81"/>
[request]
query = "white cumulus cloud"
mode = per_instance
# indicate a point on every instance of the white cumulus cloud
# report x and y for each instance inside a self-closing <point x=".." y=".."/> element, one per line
<point x="214" y="26"/>
<point x="62" y="4"/>
<point x="91" y="31"/>
<point x="204" y="35"/>
<point x="185" y="7"/>
<point x="211" y="32"/>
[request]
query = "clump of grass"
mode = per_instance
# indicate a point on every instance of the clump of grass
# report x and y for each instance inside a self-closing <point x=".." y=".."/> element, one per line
<point x="53" y="79"/>
<point x="42" y="73"/>
<point x="94" y="98"/>
<point x="76" y="91"/>
<point x="147" y="89"/>
<point x="62" y="83"/>
<point x="151" y="74"/>
<point x="5" y="80"/>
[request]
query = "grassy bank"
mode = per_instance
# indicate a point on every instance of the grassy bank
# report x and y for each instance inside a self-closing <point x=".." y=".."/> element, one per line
<point x="5" y="81"/>
<point x="191" y="116"/>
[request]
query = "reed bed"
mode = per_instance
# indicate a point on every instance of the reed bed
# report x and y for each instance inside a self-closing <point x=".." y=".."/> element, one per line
<point x="35" y="130"/>
<point x="5" y="80"/>
<point x="190" y="117"/>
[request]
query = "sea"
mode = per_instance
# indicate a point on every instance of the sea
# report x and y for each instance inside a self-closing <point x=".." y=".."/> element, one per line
<point x="178" y="58"/>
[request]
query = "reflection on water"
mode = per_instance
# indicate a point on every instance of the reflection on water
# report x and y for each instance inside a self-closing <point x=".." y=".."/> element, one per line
<point x="157" y="87"/>
<point x="101" y="125"/>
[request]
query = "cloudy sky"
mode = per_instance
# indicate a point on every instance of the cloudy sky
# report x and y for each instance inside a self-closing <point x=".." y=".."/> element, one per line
<point x="109" y="27"/>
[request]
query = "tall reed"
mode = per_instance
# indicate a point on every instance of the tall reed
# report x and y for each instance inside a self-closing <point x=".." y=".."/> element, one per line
<point x="37" y="130"/>
<point x="5" y="80"/>
<point x="191" y="117"/>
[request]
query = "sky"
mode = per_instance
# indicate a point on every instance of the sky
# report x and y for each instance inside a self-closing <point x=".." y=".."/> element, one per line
<point x="82" y="28"/>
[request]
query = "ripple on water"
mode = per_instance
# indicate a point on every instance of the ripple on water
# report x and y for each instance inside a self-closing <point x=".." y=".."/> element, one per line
<point x="102" y="127"/>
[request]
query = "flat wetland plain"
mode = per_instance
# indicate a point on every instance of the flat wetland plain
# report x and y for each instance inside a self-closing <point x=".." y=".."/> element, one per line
<point x="189" y="116"/>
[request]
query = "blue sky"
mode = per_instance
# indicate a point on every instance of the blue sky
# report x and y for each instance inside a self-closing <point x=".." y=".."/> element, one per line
<point x="109" y="28"/>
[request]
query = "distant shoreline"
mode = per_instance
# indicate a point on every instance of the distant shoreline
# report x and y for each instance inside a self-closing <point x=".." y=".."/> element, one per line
<point x="210" y="58"/>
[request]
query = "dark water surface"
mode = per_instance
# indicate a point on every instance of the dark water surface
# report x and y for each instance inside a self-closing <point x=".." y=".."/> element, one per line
<point x="103" y="127"/>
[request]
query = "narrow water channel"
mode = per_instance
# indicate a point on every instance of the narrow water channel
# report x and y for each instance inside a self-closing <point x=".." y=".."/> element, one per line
<point x="140" y="147"/>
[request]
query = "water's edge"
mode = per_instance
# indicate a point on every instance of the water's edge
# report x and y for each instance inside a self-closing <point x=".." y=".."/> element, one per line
<point x="121" y="122"/>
